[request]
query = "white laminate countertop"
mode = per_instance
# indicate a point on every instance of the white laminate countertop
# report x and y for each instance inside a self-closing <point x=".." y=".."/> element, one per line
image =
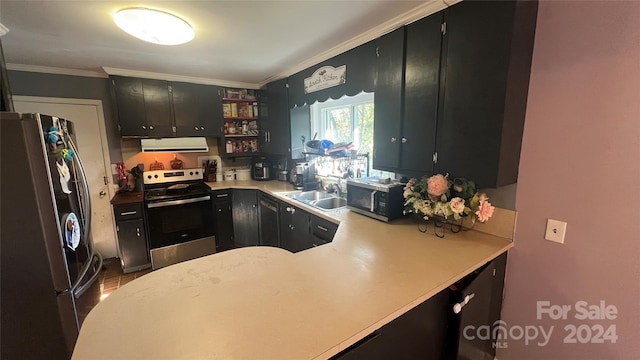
<point x="267" y="303"/>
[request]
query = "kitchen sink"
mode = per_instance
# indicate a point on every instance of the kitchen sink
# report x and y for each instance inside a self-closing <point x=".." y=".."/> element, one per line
<point x="330" y="203"/>
<point x="311" y="195"/>
<point x="320" y="199"/>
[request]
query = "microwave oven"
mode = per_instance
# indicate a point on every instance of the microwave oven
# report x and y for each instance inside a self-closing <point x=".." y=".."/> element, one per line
<point x="368" y="197"/>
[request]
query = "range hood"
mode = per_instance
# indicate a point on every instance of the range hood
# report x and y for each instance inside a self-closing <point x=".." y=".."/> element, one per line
<point x="185" y="144"/>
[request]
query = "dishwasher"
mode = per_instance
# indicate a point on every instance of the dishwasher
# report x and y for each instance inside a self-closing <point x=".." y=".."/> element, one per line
<point x="269" y="224"/>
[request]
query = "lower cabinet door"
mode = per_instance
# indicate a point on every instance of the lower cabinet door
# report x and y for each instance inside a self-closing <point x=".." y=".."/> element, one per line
<point x="224" y="225"/>
<point x="134" y="253"/>
<point x="419" y="333"/>
<point x="294" y="229"/>
<point x="245" y="217"/>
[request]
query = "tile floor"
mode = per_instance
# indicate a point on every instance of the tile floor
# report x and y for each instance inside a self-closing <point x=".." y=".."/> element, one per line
<point x="111" y="277"/>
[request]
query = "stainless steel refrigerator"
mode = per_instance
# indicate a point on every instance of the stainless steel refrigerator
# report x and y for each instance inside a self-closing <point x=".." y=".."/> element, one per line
<point x="47" y="260"/>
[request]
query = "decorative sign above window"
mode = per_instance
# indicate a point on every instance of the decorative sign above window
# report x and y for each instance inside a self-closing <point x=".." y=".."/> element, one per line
<point x="325" y="77"/>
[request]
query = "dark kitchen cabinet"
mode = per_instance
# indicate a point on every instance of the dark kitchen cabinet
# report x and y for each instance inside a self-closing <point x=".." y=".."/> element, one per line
<point x="388" y="100"/>
<point x="245" y="217"/>
<point x="197" y="109"/>
<point x="157" y="108"/>
<point x="419" y="333"/>
<point x="274" y="118"/>
<point x="487" y="53"/>
<point x="132" y="240"/>
<point x="407" y="96"/>
<point x="475" y="301"/>
<point x="144" y="108"/>
<point x="464" y="91"/>
<point x="223" y="220"/>
<point x="294" y="228"/>
<point x="269" y="221"/>
<point x="322" y="231"/>
<point x="421" y="83"/>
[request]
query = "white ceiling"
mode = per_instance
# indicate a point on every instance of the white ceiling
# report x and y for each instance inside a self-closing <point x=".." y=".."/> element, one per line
<point x="242" y="42"/>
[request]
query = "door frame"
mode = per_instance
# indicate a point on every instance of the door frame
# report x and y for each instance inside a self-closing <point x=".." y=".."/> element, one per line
<point x="106" y="156"/>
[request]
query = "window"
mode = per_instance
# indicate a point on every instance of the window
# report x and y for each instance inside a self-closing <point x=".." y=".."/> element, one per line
<point x="347" y="120"/>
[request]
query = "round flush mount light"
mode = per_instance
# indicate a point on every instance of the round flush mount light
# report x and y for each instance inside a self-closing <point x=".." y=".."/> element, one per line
<point x="154" y="26"/>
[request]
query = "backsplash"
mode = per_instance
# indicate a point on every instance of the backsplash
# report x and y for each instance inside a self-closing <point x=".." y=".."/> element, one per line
<point x="132" y="155"/>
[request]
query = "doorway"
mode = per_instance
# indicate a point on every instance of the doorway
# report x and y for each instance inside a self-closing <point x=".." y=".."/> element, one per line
<point x="88" y="118"/>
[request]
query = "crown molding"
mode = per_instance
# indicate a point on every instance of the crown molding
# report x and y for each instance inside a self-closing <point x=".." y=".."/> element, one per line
<point x="417" y="13"/>
<point x="55" y="70"/>
<point x="170" y="77"/>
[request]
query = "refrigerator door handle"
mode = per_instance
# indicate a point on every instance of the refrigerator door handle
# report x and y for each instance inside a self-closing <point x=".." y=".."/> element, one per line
<point x="81" y="286"/>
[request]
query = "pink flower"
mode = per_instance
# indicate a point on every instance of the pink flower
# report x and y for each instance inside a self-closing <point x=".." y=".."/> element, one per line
<point x="437" y="185"/>
<point x="457" y="205"/>
<point x="485" y="210"/>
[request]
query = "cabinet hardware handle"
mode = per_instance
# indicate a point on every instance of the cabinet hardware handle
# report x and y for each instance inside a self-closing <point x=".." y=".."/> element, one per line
<point x="458" y="307"/>
<point x="293" y="227"/>
<point x="404" y="140"/>
<point x="291" y="210"/>
<point x="195" y="128"/>
<point x="126" y="213"/>
<point x="219" y="210"/>
<point x="322" y="228"/>
<point x="222" y="195"/>
<point x="201" y="127"/>
<point x="144" y="127"/>
<point x="254" y="205"/>
<point x="150" y="127"/>
<point x="138" y="232"/>
<point x="393" y="139"/>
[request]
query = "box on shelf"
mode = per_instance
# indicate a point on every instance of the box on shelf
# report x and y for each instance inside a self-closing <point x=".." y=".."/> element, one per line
<point x="226" y="109"/>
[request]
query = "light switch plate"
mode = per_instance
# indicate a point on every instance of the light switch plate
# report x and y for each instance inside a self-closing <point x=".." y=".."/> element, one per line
<point x="556" y="230"/>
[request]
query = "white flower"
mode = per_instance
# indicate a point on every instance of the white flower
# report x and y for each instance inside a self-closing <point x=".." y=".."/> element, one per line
<point x="457" y="205"/>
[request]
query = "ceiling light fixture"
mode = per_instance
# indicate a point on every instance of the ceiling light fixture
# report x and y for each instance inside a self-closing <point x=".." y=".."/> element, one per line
<point x="154" y="26"/>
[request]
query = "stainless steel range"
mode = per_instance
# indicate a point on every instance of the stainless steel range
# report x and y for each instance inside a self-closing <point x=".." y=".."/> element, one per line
<point x="180" y="216"/>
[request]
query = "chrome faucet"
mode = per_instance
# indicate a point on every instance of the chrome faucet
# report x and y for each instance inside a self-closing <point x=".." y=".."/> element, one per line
<point x="335" y="187"/>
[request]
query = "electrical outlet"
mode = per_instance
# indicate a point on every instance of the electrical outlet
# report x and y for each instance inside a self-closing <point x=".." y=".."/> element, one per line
<point x="556" y="230"/>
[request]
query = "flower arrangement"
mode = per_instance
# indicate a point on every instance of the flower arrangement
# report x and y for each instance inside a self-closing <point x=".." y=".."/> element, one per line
<point x="449" y="199"/>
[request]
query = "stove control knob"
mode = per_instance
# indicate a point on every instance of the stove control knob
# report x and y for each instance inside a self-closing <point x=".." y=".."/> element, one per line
<point x="148" y="176"/>
<point x="197" y="172"/>
<point x="191" y="173"/>
<point x="155" y="176"/>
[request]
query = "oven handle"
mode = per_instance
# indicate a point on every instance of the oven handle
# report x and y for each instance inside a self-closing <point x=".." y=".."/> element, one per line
<point x="178" y="202"/>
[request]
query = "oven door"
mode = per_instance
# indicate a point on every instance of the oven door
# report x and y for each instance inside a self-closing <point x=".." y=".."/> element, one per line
<point x="178" y="221"/>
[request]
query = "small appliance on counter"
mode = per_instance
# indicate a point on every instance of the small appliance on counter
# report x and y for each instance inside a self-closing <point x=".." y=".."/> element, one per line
<point x="380" y="200"/>
<point x="262" y="169"/>
<point x="283" y="170"/>
<point x="305" y="176"/>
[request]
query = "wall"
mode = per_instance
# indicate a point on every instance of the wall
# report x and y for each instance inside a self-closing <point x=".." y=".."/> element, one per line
<point x="75" y="87"/>
<point x="580" y="163"/>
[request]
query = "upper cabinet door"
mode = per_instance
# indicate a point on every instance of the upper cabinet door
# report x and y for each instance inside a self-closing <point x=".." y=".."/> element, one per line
<point x="129" y="99"/>
<point x="275" y="119"/>
<point x="422" y="83"/>
<point x="157" y="103"/>
<point x="196" y="109"/>
<point x="388" y="100"/>
<point x="487" y="50"/>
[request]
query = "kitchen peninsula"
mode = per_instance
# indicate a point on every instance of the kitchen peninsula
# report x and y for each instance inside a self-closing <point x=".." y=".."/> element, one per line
<point x="268" y="303"/>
